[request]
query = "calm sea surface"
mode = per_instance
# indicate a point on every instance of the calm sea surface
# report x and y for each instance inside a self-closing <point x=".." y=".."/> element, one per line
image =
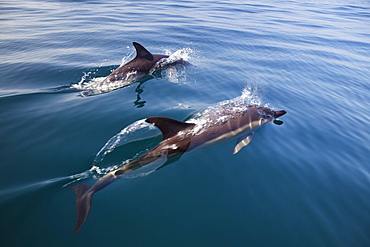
<point x="303" y="183"/>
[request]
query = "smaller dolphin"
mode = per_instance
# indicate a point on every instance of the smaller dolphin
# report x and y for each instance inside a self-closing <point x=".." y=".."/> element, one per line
<point x="136" y="69"/>
<point x="180" y="137"/>
<point x="141" y="65"/>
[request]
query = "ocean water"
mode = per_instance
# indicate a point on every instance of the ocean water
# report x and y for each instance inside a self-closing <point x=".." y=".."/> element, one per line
<point x="303" y="183"/>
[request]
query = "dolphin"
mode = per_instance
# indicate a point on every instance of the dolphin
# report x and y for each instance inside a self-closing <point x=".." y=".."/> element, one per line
<point x="136" y="69"/>
<point x="180" y="137"/>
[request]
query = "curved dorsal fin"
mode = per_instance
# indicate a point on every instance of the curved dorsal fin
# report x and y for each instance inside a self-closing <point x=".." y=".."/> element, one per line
<point x="141" y="52"/>
<point x="168" y="126"/>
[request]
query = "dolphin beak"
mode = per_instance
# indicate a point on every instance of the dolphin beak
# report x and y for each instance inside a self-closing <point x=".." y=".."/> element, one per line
<point x="280" y="113"/>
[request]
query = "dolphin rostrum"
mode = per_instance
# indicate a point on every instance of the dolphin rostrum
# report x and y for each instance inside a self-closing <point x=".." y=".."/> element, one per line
<point x="132" y="71"/>
<point x="180" y="137"/>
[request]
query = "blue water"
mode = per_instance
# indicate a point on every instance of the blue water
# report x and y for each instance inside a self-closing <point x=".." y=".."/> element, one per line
<point x="303" y="183"/>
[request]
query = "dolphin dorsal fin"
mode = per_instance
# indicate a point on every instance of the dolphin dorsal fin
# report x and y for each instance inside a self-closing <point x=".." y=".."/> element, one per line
<point x="168" y="126"/>
<point x="141" y="52"/>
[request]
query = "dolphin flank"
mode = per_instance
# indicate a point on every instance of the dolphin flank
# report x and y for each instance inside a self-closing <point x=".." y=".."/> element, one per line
<point x="180" y="137"/>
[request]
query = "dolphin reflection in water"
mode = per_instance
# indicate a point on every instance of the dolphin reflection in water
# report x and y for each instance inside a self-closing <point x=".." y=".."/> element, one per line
<point x="218" y="125"/>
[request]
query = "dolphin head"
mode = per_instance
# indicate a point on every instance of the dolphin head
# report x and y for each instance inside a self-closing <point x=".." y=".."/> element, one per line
<point x="279" y="113"/>
<point x="265" y="115"/>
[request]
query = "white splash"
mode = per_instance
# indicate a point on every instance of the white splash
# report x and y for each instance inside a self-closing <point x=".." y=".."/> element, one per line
<point x="96" y="85"/>
<point x="135" y="131"/>
<point x="129" y="57"/>
<point x="182" y="54"/>
<point x="174" y="69"/>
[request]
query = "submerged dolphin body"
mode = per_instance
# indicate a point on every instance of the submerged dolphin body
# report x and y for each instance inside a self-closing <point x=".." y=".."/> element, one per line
<point x="180" y="137"/>
<point x="128" y="73"/>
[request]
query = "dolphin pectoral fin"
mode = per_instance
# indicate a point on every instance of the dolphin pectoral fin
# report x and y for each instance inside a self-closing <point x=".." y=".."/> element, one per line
<point x="242" y="142"/>
<point x="83" y="202"/>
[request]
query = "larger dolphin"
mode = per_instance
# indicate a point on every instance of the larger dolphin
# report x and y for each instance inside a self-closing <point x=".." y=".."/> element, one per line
<point x="180" y="137"/>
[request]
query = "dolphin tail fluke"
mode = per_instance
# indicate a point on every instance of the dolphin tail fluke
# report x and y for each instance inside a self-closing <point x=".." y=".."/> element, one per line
<point x="83" y="202"/>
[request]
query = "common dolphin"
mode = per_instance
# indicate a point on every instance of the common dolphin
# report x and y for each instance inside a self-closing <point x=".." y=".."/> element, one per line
<point x="136" y="69"/>
<point x="180" y="137"/>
